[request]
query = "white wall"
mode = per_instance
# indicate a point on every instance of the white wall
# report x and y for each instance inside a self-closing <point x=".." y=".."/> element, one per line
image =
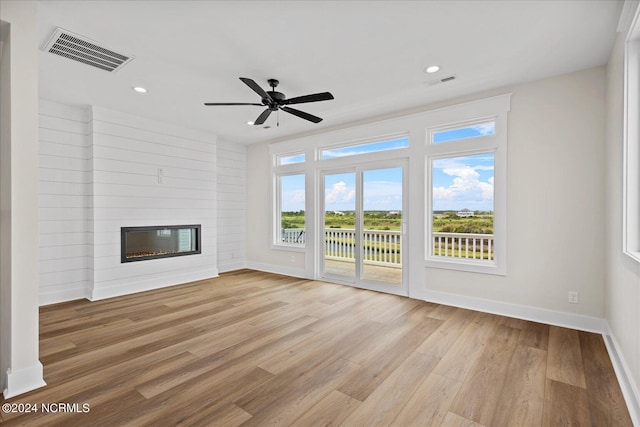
<point x="98" y="173"/>
<point x="5" y="204"/>
<point x="554" y="205"/>
<point x="622" y="280"/>
<point x="64" y="202"/>
<point x="260" y="254"/>
<point x="555" y="200"/>
<point x="127" y="153"/>
<point x="21" y="369"/>
<point x="73" y="176"/>
<point x="231" y="189"/>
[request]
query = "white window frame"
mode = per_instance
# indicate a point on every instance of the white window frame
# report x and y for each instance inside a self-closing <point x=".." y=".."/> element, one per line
<point x="277" y="171"/>
<point x="277" y="226"/>
<point x="631" y="149"/>
<point x="492" y="109"/>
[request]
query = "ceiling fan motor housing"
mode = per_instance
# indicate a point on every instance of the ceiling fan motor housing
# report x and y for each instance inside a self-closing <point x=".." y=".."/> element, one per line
<point x="278" y="99"/>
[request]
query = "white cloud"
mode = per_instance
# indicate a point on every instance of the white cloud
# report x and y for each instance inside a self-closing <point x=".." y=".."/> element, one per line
<point x="485" y="128"/>
<point x="466" y="190"/>
<point x="487" y="189"/>
<point x="382" y="195"/>
<point x="340" y="193"/>
<point x="463" y="163"/>
<point x="296" y="196"/>
<point x="331" y="154"/>
<point x="293" y="200"/>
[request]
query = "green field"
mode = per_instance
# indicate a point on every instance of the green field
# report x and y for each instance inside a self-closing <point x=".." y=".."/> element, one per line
<point x="443" y="221"/>
<point x="449" y="222"/>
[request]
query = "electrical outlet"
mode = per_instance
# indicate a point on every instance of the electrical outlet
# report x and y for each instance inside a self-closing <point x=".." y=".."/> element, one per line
<point x="293" y="258"/>
<point x="573" y="297"/>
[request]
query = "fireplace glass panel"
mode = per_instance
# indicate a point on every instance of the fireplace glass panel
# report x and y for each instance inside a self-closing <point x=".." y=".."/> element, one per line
<point x="142" y="243"/>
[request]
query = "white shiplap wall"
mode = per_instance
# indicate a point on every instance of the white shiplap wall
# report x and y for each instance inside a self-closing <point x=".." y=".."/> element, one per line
<point x="231" y="205"/>
<point x="99" y="172"/>
<point x="64" y="202"/>
<point x="128" y="153"/>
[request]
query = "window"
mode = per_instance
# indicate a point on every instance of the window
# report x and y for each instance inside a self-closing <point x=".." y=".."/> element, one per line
<point x="288" y="168"/>
<point x="289" y="159"/>
<point x="465" y="132"/>
<point x="370" y="147"/>
<point x="462" y="207"/>
<point x="466" y="189"/>
<point x="631" y="190"/>
<point x="290" y="218"/>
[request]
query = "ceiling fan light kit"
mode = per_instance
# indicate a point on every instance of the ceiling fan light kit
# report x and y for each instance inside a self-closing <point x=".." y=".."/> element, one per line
<point x="275" y="101"/>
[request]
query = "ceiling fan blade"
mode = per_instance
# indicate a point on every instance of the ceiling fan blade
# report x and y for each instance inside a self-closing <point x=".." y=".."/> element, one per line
<point x="231" y="103"/>
<point x="302" y="114"/>
<point x="262" y="117"/>
<point x="322" y="96"/>
<point x="256" y="88"/>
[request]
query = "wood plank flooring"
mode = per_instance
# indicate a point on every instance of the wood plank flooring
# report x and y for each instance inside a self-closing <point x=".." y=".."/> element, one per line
<point x="259" y="349"/>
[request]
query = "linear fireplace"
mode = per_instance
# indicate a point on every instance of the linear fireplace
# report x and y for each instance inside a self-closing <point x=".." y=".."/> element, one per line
<point x="142" y="243"/>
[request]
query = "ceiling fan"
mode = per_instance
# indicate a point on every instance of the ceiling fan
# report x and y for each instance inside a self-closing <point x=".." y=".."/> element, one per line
<point x="275" y="101"/>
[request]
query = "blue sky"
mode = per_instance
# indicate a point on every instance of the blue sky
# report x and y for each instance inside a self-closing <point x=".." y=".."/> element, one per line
<point x="292" y="193"/>
<point x="370" y="147"/>
<point x="458" y="182"/>
<point x="474" y="131"/>
<point x="294" y="158"/>
<point x="382" y="191"/>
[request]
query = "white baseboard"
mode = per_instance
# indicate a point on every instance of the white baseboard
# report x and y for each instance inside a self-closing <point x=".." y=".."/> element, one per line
<point x="23" y="380"/>
<point x="231" y="266"/>
<point x="630" y="389"/>
<point x="535" y="314"/>
<point x="101" y="291"/>
<point x="278" y="269"/>
<point x="64" y="295"/>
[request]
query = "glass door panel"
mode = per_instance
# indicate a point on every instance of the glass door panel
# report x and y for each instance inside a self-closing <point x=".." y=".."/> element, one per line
<point x="362" y="227"/>
<point x="381" y="236"/>
<point x="340" y="244"/>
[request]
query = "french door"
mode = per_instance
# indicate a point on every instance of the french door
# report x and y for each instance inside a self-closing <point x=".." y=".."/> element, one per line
<point x="362" y="231"/>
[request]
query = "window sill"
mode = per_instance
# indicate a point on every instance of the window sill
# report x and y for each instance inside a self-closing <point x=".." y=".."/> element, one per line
<point x="289" y="248"/>
<point x="466" y="265"/>
<point x="634" y="256"/>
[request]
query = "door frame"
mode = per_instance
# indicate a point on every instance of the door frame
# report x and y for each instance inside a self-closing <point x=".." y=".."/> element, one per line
<point x="358" y="168"/>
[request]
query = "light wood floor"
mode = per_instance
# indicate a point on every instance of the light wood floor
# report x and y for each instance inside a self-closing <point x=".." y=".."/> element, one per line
<point x="253" y="348"/>
<point x="377" y="273"/>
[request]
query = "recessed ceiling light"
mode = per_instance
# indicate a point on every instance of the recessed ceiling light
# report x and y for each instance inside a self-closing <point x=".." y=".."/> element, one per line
<point x="140" y="89"/>
<point x="250" y="123"/>
<point x="432" y="69"/>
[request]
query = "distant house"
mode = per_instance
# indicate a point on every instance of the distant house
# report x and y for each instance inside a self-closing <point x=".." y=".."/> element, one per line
<point x="338" y="213"/>
<point x="465" y="213"/>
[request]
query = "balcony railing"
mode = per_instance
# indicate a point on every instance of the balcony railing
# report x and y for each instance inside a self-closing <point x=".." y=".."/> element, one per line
<point x="384" y="247"/>
<point x="463" y="245"/>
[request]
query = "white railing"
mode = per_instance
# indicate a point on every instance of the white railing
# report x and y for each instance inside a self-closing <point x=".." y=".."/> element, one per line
<point x="293" y="235"/>
<point x="463" y="245"/>
<point x="383" y="247"/>
<point x="380" y="247"/>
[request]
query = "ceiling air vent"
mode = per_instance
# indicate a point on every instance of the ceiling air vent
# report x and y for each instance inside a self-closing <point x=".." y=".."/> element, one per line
<point x="442" y="80"/>
<point x="82" y="49"/>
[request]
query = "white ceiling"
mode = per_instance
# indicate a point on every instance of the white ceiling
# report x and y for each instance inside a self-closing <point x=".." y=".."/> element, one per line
<point x="369" y="54"/>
